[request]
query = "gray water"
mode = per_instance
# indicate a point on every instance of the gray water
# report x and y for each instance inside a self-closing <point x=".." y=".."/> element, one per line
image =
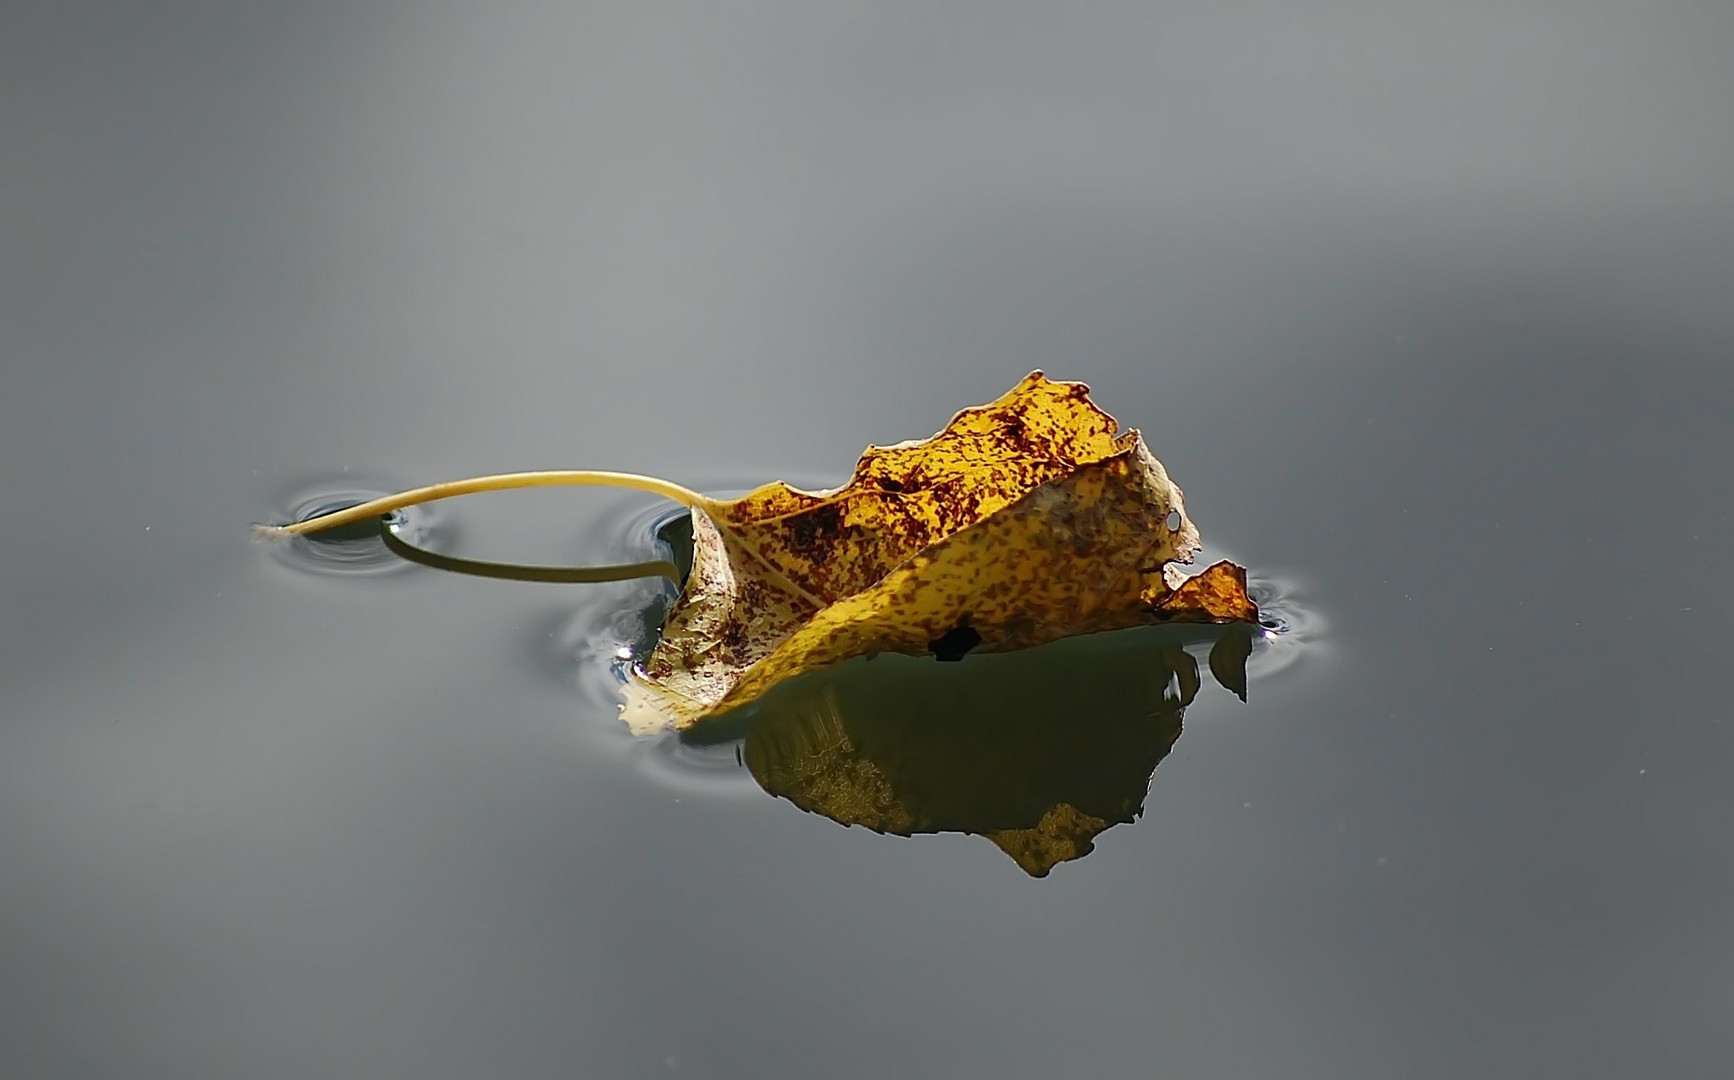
<point x="1427" y="311"/>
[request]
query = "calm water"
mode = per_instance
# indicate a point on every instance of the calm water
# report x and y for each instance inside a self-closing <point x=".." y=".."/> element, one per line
<point x="1427" y="314"/>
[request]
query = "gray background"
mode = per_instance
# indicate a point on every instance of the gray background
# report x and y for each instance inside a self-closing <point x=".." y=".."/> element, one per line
<point x="1425" y="306"/>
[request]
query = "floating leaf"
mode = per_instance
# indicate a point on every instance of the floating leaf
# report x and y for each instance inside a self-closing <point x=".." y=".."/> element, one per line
<point x="1023" y="521"/>
<point x="1039" y="752"/>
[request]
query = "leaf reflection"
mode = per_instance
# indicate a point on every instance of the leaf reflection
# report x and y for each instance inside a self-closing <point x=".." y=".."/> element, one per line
<point x="1039" y="751"/>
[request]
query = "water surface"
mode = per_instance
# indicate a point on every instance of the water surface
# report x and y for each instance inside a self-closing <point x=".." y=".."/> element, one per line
<point x="1427" y="314"/>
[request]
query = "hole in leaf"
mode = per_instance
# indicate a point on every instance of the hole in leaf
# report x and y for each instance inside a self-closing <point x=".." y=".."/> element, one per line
<point x="955" y="643"/>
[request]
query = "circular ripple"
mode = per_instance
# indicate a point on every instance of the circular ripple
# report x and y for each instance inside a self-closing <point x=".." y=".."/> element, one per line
<point x="591" y="649"/>
<point x="355" y="549"/>
<point x="593" y="644"/>
<point x="712" y="769"/>
<point x="594" y="648"/>
<point x="1291" y="629"/>
<point x="616" y="625"/>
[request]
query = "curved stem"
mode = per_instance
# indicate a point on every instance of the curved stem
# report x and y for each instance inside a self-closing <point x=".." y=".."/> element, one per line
<point x="477" y="484"/>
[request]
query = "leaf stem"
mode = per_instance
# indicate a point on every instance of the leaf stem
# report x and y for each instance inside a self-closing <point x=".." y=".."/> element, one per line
<point x="477" y="484"/>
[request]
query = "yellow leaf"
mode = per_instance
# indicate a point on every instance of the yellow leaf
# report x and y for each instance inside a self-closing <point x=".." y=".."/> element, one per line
<point x="1026" y="520"/>
<point x="1023" y="521"/>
